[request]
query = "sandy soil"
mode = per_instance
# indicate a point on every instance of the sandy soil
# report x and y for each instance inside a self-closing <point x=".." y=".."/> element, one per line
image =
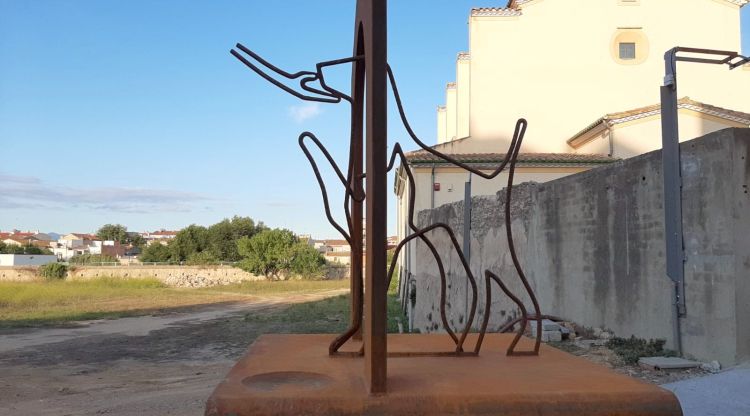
<point x="144" y="366"/>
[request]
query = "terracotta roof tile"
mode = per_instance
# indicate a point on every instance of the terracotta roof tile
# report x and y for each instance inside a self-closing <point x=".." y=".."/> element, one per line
<point x="524" y="159"/>
<point x="335" y="242"/>
<point x="495" y="11"/>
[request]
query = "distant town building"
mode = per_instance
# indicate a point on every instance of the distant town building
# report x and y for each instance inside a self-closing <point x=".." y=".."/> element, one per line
<point x="338" y="257"/>
<point x="162" y="236"/>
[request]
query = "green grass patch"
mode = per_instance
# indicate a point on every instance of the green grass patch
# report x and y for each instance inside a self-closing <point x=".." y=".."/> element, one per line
<point x="280" y="287"/>
<point x="631" y="349"/>
<point x="329" y="315"/>
<point x="41" y="303"/>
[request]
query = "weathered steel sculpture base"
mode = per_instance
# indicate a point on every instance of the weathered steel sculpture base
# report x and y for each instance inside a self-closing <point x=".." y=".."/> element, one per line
<point x="293" y="375"/>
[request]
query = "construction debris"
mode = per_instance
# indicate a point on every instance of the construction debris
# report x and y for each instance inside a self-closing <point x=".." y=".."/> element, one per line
<point x="667" y="363"/>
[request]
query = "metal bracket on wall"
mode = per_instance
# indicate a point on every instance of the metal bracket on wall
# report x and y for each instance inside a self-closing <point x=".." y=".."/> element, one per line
<point x="671" y="160"/>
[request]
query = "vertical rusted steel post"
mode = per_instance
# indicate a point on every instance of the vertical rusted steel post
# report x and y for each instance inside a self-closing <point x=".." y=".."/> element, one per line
<point x="356" y="266"/>
<point x="374" y="22"/>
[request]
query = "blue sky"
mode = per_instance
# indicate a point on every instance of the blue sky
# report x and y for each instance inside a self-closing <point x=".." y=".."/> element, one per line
<point x="134" y="112"/>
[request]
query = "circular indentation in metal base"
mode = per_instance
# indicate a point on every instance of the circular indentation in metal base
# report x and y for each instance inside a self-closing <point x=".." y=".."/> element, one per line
<point x="299" y="380"/>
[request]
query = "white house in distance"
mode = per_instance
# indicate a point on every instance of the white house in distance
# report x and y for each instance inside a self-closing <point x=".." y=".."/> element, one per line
<point x="162" y="236"/>
<point x="586" y="75"/>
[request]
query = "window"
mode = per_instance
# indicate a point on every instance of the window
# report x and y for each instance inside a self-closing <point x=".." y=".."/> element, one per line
<point x="627" y="51"/>
<point x="629" y="46"/>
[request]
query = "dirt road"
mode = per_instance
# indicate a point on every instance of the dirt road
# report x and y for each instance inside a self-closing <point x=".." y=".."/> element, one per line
<point x="144" y="366"/>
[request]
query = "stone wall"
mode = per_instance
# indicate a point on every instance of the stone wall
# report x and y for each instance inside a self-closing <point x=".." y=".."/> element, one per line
<point x="592" y="245"/>
<point x="175" y="276"/>
<point x="17" y="274"/>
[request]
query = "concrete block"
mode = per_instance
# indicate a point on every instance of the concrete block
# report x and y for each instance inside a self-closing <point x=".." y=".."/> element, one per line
<point x="713" y="366"/>
<point x="547" y="325"/>
<point x="667" y="363"/>
<point x="551" y="336"/>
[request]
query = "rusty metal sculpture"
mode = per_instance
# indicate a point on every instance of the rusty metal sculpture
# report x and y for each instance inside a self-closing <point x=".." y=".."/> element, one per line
<point x="371" y="75"/>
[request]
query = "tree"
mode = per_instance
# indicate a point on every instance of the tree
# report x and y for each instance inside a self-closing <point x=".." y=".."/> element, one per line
<point x="276" y="252"/>
<point x="53" y="271"/>
<point x="222" y="240"/>
<point x="202" y="257"/>
<point x="136" y="240"/>
<point x="14" y="249"/>
<point x="27" y="249"/>
<point x="223" y="236"/>
<point x="113" y="232"/>
<point x="156" y="253"/>
<point x="35" y="250"/>
<point x="189" y="240"/>
<point x="306" y="260"/>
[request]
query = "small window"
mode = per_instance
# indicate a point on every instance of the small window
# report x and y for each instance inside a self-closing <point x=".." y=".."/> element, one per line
<point x="627" y="51"/>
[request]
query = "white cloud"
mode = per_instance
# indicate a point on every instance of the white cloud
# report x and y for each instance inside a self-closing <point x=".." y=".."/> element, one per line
<point x="24" y="192"/>
<point x="300" y="113"/>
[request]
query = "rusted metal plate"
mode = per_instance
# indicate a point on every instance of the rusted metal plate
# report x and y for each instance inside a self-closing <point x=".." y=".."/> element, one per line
<point x="294" y="375"/>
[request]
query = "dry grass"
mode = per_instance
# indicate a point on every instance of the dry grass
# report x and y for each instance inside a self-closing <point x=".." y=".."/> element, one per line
<point x="57" y="302"/>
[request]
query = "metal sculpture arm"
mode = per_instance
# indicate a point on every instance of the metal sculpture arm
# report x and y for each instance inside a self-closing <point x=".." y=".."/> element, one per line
<point x="511" y="157"/>
<point x="517" y="135"/>
<point x="327" y="95"/>
<point x="421" y="234"/>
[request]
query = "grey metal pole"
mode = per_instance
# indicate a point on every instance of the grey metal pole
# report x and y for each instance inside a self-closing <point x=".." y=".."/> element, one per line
<point x="467" y="219"/>
<point x="467" y="233"/>
<point x="672" y="175"/>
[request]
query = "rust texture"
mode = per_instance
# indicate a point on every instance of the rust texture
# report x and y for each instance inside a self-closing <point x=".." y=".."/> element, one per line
<point x="291" y="375"/>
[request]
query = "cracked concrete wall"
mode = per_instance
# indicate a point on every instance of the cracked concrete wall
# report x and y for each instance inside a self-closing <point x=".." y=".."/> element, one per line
<point x="592" y="246"/>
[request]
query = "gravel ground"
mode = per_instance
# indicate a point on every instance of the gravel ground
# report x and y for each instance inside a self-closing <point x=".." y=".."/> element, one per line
<point x="128" y="367"/>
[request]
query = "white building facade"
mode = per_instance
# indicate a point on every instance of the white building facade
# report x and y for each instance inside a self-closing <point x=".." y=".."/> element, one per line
<point x="586" y="75"/>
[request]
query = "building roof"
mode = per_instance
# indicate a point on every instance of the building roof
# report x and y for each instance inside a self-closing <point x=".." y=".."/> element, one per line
<point x="686" y="103"/>
<point x="336" y="242"/>
<point x="84" y="236"/>
<point x="164" y="232"/>
<point x="495" y="11"/>
<point x="513" y="8"/>
<point x="17" y="234"/>
<point x="337" y="254"/>
<point x="422" y="157"/>
<point x="24" y="238"/>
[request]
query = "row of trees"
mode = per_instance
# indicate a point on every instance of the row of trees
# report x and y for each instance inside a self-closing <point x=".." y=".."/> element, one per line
<point x="201" y="245"/>
<point x="27" y="249"/>
<point x="255" y="247"/>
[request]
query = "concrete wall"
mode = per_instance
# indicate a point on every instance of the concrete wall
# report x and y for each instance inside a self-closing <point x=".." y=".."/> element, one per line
<point x="452" y="182"/>
<point x="26" y="259"/>
<point x="592" y="245"/>
<point x="18" y="274"/>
